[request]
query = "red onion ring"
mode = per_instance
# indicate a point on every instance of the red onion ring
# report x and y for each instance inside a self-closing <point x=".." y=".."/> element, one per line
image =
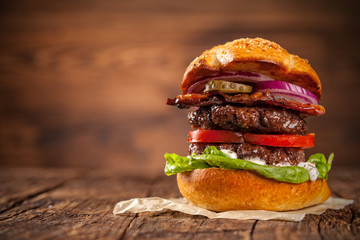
<point x="250" y="77"/>
<point x="280" y="89"/>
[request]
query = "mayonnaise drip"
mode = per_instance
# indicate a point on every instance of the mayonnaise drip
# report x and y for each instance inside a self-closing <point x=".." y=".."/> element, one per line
<point x="230" y="153"/>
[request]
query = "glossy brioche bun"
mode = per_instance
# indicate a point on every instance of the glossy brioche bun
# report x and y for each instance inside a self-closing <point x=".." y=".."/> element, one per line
<point x="223" y="190"/>
<point x="253" y="55"/>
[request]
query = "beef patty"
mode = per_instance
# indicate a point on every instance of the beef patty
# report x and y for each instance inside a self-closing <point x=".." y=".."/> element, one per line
<point x="271" y="155"/>
<point x="249" y="119"/>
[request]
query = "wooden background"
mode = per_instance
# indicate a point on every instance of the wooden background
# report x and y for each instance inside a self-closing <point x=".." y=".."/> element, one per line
<point x="83" y="84"/>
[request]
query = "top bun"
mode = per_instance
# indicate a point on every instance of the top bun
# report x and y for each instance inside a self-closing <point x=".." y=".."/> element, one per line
<point x="253" y="55"/>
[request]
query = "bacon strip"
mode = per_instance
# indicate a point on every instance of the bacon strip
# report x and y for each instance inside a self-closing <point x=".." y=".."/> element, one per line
<point x="254" y="99"/>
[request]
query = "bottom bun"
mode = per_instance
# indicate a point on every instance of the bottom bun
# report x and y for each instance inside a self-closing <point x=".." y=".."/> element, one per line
<point x="223" y="190"/>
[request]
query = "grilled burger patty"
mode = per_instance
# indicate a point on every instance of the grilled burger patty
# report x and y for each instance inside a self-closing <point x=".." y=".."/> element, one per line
<point x="271" y="155"/>
<point x="249" y="119"/>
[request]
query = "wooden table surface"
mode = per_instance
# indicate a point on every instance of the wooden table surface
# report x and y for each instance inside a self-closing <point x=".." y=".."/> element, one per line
<point x="43" y="203"/>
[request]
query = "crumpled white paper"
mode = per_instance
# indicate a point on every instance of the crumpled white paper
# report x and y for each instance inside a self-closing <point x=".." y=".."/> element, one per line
<point x="137" y="205"/>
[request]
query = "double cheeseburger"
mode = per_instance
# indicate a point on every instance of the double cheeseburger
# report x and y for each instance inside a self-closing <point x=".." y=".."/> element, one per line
<point x="249" y="99"/>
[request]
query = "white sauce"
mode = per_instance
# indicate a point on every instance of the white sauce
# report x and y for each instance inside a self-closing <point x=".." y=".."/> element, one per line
<point x="283" y="164"/>
<point x="230" y="153"/>
<point x="256" y="160"/>
<point x="310" y="167"/>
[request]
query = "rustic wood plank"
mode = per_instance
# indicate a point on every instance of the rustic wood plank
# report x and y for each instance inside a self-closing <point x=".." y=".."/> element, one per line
<point x="337" y="224"/>
<point x="66" y="219"/>
<point x="164" y="186"/>
<point x="82" y="208"/>
<point x="18" y="185"/>
<point x="344" y="183"/>
<point x="175" y="225"/>
<point x="306" y="229"/>
<point x="332" y="224"/>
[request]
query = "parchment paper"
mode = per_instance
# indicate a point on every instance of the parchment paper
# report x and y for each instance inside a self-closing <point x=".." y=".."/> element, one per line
<point x="137" y="205"/>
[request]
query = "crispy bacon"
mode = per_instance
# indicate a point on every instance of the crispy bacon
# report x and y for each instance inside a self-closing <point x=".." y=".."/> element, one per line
<point x="254" y="99"/>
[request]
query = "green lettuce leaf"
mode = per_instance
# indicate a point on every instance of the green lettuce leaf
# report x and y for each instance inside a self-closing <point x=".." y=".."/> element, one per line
<point x="212" y="157"/>
<point x="214" y="151"/>
<point x="178" y="164"/>
<point x="321" y="164"/>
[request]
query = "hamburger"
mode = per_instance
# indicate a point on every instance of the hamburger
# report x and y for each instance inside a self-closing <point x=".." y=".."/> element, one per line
<point x="248" y="102"/>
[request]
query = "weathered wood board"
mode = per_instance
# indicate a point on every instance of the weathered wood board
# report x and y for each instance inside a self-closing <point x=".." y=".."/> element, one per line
<point x="58" y="204"/>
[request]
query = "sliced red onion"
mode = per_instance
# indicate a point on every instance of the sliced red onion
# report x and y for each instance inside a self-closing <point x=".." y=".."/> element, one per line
<point x="289" y="91"/>
<point x="250" y="77"/>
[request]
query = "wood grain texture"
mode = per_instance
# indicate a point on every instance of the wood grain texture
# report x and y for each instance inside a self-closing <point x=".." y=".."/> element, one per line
<point x="17" y="187"/>
<point x="81" y="208"/>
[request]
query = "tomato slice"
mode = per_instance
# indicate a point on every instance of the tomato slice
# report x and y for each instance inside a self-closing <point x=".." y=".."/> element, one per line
<point x="215" y="136"/>
<point x="307" y="141"/>
<point x="223" y="136"/>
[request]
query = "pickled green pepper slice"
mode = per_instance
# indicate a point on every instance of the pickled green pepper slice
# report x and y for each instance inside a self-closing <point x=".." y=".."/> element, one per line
<point x="227" y="87"/>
